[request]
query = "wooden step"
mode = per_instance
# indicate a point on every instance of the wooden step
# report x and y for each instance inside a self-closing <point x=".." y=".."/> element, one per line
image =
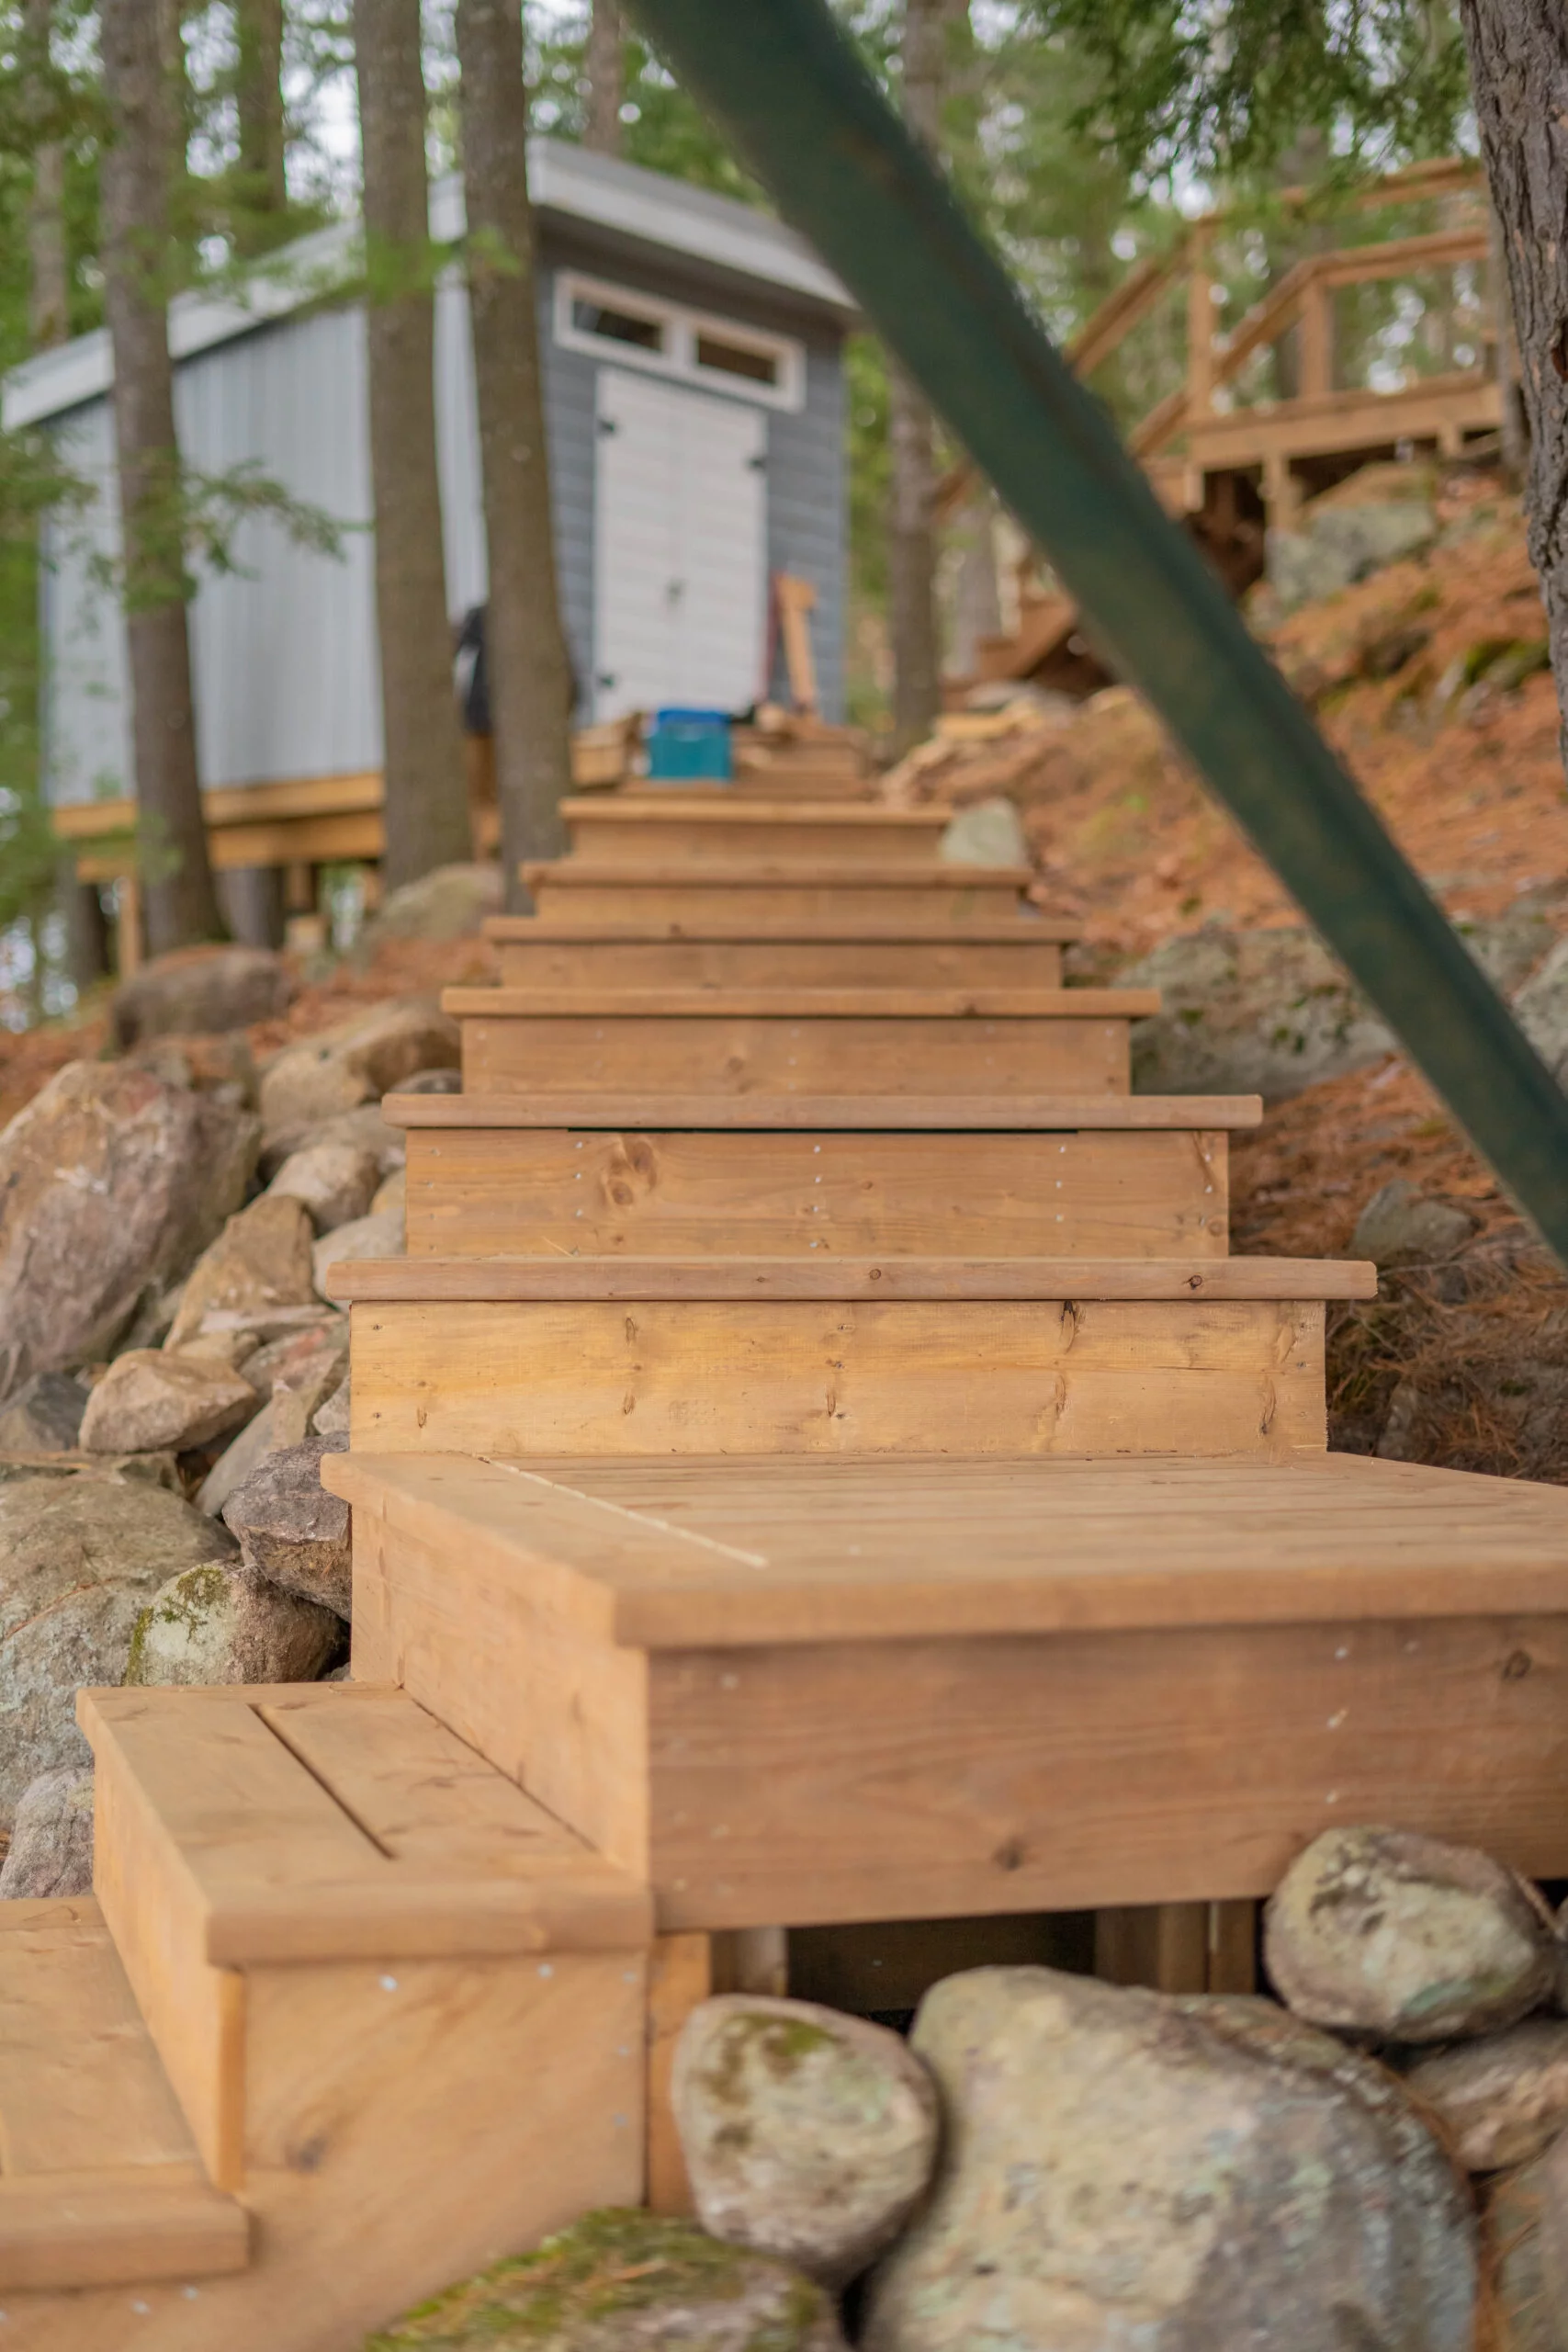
<point x="401" y="2006"/>
<point x="929" y="921"/>
<point x="823" y="1354"/>
<point x="638" y="889"/>
<point x="489" y="1191"/>
<point x="845" y="1114"/>
<point x="700" y="830"/>
<point x="100" y="2181"/>
<point x="809" y="1041"/>
<point x="543" y="959"/>
<point x="792" y="1691"/>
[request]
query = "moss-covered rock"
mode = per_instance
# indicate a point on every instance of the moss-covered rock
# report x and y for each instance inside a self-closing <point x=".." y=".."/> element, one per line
<point x="624" y="2281"/>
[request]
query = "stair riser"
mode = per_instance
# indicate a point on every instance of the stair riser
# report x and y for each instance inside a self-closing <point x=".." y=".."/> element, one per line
<point x="777" y="902"/>
<point x="780" y="963"/>
<point x="476" y="1192"/>
<point x="758" y="1376"/>
<point x="838" y="1780"/>
<point x="786" y="840"/>
<point x="405" y="2127"/>
<point x="731" y="1055"/>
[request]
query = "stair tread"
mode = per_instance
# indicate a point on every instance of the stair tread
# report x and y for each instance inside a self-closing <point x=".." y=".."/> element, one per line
<point x="764" y="873"/>
<point x="880" y="1114"/>
<point x="889" y="1279"/>
<point x="329" y="1822"/>
<point x="1025" y="924"/>
<point x="671" y="806"/>
<point x="100" y="2181"/>
<point x="789" y="1003"/>
<point x="738" y="1551"/>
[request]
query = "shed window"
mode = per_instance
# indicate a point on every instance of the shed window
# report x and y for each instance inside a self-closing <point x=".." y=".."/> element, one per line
<point x="616" y="324"/>
<point x="758" y="366"/>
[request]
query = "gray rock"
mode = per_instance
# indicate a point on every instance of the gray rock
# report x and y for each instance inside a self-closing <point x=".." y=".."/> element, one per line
<point x="1542" y="1006"/>
<point x="1400" y="1226"/>
<point x="200" y="988"/>
<point x="260" y="1260"/>
<point x="44" y="1416"/>
<point x="391" y="1194"/>
<point x="1502" y="2101"/>
<point x="207" y="1065"/>
<point x="112" y="1182"/>
<point x="156" y="1397"/>
<point x="452" y="903"/>
<point x="298" y="1376"/>
<point x="340" y="1068"/>
<point x="370" y="1237"/>
<point x="1122" y="2172"/>
<point x="432" y="1081"/>
<point x="225" y="1624"/>
<point x="282" y="1420"/>
<point x="335" y="1180"/>
<point x="1529" y="2305"/>
<point x="332" y="1419"/>
<point x="160" y="1469"/>
<point x="990" y="832"/>
<point x="52" y="1840"/>
<point x="290" y="1530"/>
<point x="1249" y="1011"/>
<point x="364" y="1126"/>
<point x="1406" y="1937"/>
<point x="80" y="1558"/>
<point x="1339" y="546"/>
<point x="626" y="2282"/>
<point x="806" y="2133"/>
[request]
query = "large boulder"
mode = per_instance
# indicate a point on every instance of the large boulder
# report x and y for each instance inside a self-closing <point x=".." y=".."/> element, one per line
<point x="365" y="1128"/>
<point x="336" y="1181"/>
<point x="150" y="1397"/>
<point x="806" y="2133"/>
<point x="51" y="1851"/>
<point x="337" y="1070"/>
<point x="1402" y="1226"/>
<point x="111" y="1182"/>
<point x="1249" y="1012"/>
<point x="194" y="989"/>
<point x="989" y="832"/>
<point x="450" y="903"/>
<point x="223" y="1624"/>
<point x="1542" y="1006"/>
<point x="44" y="1416"/>
<point x="290" y="1530"/>
<point x="1404" y="1937"/>
<point x="80" y="1558"/>
<point x="1338" y="544"/>
<point x="1501" y="2101"/>
<point x="1123" y="2172"/>
<point x="260" y="1260"/>
<point x="625" y="2283"/>
<point x="384" y="1235"/>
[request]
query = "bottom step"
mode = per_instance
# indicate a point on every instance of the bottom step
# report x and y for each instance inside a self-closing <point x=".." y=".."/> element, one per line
<point x="100" y="2185"/>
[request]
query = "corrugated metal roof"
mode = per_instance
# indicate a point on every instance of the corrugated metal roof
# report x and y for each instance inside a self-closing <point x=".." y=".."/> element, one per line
<point x="598" y="190"/>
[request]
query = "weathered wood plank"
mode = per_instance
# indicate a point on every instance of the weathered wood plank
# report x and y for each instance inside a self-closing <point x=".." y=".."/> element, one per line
<point x="1176" y="1281"/>
<point x="779" y="963"/>
<point x="847" y="1113"/>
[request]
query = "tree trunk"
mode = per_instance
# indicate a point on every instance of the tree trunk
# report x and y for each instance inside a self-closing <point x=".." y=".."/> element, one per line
<point x="49" y="301"/>
<point x="136" y="40"/>
<point x="605" y="66"/>
<point x="1519" y="62"/>
<point x="259" y="100"/>
<point x="426" y="807"/>
<point x="526" y="664"/>
<point x="1514" y="442"/>
<point x="928" y="30"/>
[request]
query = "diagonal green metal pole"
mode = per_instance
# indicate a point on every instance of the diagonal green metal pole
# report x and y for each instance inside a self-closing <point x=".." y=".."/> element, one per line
<point x="803" y="113"/>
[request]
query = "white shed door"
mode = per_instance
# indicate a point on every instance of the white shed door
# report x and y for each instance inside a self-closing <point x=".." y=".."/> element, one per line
<point x="680" y="556"/>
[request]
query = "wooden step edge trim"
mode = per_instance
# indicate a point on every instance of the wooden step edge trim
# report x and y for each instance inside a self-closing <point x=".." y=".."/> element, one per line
<point x="825" y="1113"/>
<point x="582" y="1905"/>
<point x="682" y="808"/>
<point x="772" y="874"/>
<point x="1027" y="928"/>
<point x="414" y="1281"/>
<point x="116" y="2229"/>
<point x="718" y="1002"/>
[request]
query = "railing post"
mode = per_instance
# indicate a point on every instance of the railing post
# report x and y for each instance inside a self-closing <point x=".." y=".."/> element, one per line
<point x="1317" y="340"/>
<point x="1200" y="326"/>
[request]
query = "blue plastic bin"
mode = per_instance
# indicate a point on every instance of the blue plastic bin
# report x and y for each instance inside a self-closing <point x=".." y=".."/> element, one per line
<point x="683" y="744"/>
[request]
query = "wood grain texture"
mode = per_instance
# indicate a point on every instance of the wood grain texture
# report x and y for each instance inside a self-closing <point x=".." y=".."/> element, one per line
<point x="710" y="1553"/>
<point x="621" y="832"/>
<point x="681" y="1975"/>
<point x="749" y="1054"/>
<point x="779" y="963"/>
<point x="311" y="1830"/>
<point x="954" y="895"/>
<point x="488" y="1192"/>
<point x="922" y="1004"/>
<point x="101" y="2228"/>
<point x="1176" y="1281"/>
<point x="928" y="924"/>
<point x="846" y="1113"/>
<point x="993" y="1377"/>
<point x="755" y="870"/>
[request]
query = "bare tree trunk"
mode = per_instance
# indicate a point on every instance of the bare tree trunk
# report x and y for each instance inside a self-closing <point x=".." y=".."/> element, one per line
<point x="1513" y="440"/>
<point x="137" y="40"/>
<point x="606" y="65"/>
<point x="526" y="663"/>
<point x="426" y="804"/>
<point x="1518" y="64"/>
<point x="929" y="27"/>
<point x="49" y="301"/>
<point x="259" y="100"/>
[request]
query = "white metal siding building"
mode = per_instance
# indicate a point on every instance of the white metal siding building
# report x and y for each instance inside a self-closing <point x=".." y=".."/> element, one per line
<point x="694" y="381"/>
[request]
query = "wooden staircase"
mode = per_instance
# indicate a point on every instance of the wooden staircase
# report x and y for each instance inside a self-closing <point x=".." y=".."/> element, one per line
<point x="817" y="1467"/>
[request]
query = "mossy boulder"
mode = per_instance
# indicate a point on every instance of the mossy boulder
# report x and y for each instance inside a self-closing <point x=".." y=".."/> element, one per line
<point x="624" y="2281"/>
